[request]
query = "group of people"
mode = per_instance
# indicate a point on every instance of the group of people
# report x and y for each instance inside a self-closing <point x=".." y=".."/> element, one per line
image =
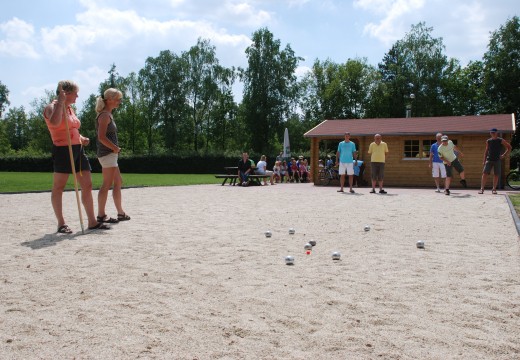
<point x="444" y="157"/>
<point x="292" y="171"/>
<point x="64" y="125"/>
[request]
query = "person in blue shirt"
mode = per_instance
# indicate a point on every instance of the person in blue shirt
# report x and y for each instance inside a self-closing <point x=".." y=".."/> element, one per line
<point x="436" y="164"/>
<point x="346" y="156"/>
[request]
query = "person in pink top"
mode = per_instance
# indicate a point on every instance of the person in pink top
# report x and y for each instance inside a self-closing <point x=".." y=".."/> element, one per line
<point x="303" y="170"/>
<point x="55" y="114"/>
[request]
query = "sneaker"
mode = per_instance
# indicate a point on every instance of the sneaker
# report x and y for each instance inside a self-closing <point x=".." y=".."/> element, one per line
<point x="463" y="182"/>
<point x="373" y="191"/>
<point x="382" y="191"/>
<point x="352" y="191"/>
<point x="447" y="191"/>
<point x="438" y="190"/>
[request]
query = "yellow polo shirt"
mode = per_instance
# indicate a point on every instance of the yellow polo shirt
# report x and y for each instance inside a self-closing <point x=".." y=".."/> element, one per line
<point x="378" y="152"/>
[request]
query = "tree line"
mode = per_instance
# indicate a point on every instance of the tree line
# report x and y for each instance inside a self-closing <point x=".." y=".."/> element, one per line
<point x="184" y="103"/>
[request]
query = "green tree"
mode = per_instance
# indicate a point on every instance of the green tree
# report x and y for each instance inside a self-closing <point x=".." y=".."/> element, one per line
<point x="4" y="98"/>
<point x="337" y="91"/>
<point x="502" y="70"/>
<point x="270" y="89"/>
<point x="40" y="140"/>
<point x="415" y="65"/>
<point x="17" y="128"/>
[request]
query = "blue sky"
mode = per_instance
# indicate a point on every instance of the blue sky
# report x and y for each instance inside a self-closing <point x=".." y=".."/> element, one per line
<point x="42" y="42"/>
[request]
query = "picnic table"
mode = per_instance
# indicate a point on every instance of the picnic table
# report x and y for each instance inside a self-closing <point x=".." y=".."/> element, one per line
<point x="231" y="174"/>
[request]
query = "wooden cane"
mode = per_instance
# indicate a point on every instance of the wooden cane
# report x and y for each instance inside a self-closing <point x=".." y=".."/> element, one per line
<point x="73" y="167"/>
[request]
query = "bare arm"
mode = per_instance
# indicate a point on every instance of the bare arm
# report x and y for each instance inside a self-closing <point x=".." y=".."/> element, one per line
<point x="508" y="148"/>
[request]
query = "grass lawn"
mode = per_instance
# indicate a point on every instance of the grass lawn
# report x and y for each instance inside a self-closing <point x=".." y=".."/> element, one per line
<point x="515" y="200"/>
<point x="13" y="182"/>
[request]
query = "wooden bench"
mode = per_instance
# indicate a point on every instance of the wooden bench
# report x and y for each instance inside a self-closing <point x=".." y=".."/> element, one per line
<point x="232" y="178"/>
<point x="257" y="179"/>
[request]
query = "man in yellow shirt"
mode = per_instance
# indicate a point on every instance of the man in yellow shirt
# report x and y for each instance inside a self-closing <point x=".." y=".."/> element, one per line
<point x="378" y="150"/>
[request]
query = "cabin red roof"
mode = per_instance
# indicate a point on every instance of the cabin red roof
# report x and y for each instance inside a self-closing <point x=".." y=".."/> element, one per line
<point x="505" y="123"/>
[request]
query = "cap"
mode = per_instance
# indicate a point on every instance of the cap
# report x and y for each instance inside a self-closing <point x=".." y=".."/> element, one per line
<point x="493" y="130"/>
<point x="444" y="138"/>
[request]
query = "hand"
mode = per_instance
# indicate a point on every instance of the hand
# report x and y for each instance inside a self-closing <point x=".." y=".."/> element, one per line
<point x="84" y="140"/>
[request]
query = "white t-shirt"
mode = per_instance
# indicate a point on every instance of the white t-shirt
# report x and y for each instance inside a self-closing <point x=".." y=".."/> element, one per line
<point x="261" y="166"/>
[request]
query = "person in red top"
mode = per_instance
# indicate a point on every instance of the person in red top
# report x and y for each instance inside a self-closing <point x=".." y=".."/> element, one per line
<point x="55" y="114"/>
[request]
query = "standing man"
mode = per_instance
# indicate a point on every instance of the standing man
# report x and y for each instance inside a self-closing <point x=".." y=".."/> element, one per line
<point x="447" y="154"/>
<point x="438" y="168"/>
<point x="492" y="159"/>
<point x="345" y="156"/>
<point x="244" y="169"/>
<point x="378" y="150"/>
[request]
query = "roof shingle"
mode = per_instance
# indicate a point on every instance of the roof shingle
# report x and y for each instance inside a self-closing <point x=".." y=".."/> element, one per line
<point x="505" y="123"/>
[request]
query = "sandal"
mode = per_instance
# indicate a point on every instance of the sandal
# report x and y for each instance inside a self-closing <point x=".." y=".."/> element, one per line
<point x="481" y="191"/>
<point x="106" y="219"/>
<point x="494" y="192"/>
<point x="99" y="226"/>
<point x="64" y="229"/>
<point x="123" y="217"/>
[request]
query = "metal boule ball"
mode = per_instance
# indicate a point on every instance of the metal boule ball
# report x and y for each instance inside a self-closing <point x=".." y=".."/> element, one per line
<point x="289" y="260"/>
<point x="268" y="234"/>
<point x="292" y="231"/>
<point x="420" y="244"/>
<point x="312" y="242"/>
<point x="367" y="227"/>
<point x="336" y="255"/>
<point x="307" y="246"/>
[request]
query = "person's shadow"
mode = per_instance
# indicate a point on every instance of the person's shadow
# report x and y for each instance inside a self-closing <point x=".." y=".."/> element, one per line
<point x="49" y="240"/>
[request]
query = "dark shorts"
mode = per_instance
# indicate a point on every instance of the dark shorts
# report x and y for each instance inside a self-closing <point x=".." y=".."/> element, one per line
<point x="495" y="165"/>
<point x="377" y="170"/>
<point x="61" y="159"/>
<point x="454" y="164"/>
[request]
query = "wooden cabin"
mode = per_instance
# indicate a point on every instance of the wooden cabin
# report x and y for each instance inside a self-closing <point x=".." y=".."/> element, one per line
<point x="409" y="141"/>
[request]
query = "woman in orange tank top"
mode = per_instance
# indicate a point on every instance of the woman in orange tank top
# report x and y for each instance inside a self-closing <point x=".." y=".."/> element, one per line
<point x="55" y="114"/>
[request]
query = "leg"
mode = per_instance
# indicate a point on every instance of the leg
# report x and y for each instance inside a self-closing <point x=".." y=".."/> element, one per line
<point x="350" y="181"/>
<point x="342" y="181"/>
<point x="483" y="182"/>
<point x="381" y="184"/>
<point x="436" y="179"/>
<point x="495" y="182"/>
<point x="374" y="185"/>
<point x="58" y="185"/>
<point x="86" y="196"/>
<point x="116" y="192"/>
<point x="108" y="180"/>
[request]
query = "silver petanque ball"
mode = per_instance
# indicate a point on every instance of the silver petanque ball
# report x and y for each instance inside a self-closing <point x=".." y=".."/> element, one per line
<point x="289" y="260"/>
<point x="307" y="246"/>
<point x="312" y="242"/>
<point x="367" y="227"/>
<point x="420" y="244"/>
<point x="268" y="234"/>
<point x="336" y="255"/>
<point x="292" y="231"/>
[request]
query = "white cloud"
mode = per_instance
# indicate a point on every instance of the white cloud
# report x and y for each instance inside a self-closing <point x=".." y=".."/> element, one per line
<point x="390" y="28"/>
<point x="17" y="39"/>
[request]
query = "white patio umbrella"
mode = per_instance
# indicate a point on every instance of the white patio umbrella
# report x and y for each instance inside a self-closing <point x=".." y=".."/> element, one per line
<point x="286" y="145"/>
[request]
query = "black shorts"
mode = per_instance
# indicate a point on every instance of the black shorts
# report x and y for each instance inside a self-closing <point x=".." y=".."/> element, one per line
<point x="61" y="159"/>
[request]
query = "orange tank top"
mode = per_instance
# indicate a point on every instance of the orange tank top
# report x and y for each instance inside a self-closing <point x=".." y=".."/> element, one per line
<point x="59" y="132"/>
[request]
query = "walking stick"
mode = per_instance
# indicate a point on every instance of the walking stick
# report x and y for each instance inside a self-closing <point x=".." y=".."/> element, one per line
<point x="73" y="167"/>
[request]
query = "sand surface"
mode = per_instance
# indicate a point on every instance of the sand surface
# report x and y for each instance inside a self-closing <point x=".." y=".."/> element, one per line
<point x="192" y="276"/>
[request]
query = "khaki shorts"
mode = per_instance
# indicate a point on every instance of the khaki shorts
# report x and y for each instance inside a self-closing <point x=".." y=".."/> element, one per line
<point x="109" y="161"/>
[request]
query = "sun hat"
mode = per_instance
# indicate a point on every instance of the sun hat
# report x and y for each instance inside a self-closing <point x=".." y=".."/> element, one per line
<point x="444" y="138"/>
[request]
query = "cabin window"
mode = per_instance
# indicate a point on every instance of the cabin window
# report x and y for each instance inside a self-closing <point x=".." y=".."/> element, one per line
<point x="426" y="145"/>
<point x="419" y="149"/>
<point x="411" y="148"/>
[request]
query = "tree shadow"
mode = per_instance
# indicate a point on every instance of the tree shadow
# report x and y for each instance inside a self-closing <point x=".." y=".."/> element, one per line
<point x="49" y="240"/>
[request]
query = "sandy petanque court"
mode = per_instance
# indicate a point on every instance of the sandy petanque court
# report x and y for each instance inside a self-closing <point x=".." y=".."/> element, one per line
<point x="192" y="276"/>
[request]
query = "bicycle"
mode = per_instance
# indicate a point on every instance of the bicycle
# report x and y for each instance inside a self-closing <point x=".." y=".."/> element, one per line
<point x="328" y="174"/>
<point x="513" y="179"/>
